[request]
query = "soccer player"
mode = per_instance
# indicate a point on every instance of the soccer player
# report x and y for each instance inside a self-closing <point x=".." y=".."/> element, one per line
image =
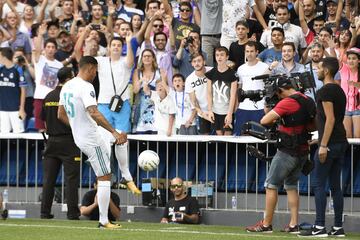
<point x="78" y="108"/>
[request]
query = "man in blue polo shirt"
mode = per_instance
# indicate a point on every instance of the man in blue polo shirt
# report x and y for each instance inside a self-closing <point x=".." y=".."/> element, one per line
<point x="12" y="94"/>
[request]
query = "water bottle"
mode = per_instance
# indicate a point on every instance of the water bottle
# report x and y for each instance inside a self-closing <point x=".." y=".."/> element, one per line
<point x="5" y="196"/>
<point x="233" y="202"/>
<point x="331" y="206"/>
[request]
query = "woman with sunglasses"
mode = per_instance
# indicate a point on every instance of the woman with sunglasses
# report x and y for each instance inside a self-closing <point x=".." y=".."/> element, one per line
<point x="147" y="72"/>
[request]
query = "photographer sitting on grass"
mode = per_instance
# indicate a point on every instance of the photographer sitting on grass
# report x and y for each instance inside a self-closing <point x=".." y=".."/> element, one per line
<point x="182" y="208"/>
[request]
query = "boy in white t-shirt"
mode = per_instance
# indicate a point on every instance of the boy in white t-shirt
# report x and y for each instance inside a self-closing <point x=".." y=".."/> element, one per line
<point x="165" y="110"/>
<point x="185" y="112"/>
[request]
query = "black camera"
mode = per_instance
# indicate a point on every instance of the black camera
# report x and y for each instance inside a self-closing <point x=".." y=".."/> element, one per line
<point x="299" y="81"/>
<point x="20" y="59"/>
<point x="95" y="27"/>
<point x="189" y="40"/>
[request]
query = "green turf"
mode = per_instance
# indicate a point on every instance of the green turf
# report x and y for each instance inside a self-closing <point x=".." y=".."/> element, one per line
<point x="35" y="229"/>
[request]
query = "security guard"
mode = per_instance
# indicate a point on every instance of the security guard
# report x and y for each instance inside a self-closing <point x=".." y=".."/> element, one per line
<point x="60" y="149"/>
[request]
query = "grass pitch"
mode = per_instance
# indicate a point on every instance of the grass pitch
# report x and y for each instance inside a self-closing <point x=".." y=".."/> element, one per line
<point x="36" y="229"/>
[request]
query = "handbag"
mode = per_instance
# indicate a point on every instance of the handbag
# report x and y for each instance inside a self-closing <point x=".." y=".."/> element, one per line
<point x="116" y="101"/>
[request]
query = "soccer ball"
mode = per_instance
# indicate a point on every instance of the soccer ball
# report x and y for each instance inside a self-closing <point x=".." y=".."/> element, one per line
<point x="148" y="160"/>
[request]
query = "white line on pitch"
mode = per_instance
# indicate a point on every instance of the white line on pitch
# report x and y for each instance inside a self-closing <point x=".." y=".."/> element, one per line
<point x="267" y="235"/>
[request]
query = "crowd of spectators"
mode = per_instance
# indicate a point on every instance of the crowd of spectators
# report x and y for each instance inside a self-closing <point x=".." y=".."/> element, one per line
<point x="181" y="61"/>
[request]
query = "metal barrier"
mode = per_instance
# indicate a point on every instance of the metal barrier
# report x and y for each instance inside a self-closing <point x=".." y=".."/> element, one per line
<point x="200" y="159"/>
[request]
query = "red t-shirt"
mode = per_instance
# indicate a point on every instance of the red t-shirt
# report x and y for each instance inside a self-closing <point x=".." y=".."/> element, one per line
<point x="289" y="106"/>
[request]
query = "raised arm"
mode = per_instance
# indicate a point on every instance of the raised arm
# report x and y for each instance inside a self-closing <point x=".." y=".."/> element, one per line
<point x="129" y="54"/>
<point x="38" y="41"/>
<point x="80" y="43"/>
<point x="41" y="15"/>
<point x="261" y="6"/>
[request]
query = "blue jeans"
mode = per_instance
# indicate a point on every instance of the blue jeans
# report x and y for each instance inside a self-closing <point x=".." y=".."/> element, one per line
<point x="331" y="170"/>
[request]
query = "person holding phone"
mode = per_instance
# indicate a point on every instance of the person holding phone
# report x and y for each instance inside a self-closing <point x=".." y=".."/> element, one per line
<point x="182" y="208"/>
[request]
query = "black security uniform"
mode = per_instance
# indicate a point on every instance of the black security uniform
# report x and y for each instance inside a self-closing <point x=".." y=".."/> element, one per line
<point x="60" y="149"/>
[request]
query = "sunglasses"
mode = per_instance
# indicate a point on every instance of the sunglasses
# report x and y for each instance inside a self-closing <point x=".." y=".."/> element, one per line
<point x="174" y="186"/>
<point x="184" y="10"/>
<point x="158" y="26"/>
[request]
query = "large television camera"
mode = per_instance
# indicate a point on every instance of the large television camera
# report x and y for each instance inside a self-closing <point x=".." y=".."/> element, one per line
<point x="299" y="81"/>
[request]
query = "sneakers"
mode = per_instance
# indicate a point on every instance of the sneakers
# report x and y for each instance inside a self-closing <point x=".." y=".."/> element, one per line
<point x="314" y="232"/>
<point x="109" y="226"/>
<point x="132" y="187"/>
<point x="337" y="233"/>
<point x="292" y="230"/>
<point x="259" y="227"/>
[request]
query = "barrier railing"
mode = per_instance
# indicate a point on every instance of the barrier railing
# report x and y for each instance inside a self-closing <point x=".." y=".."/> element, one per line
<point x="222" y="163"/>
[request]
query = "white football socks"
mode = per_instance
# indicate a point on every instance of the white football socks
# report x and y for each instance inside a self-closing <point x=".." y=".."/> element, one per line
<point x="122" y="155"/>
<point x="103" y="195"/>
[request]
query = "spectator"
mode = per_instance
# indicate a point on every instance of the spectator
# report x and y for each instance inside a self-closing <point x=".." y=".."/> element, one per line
<point x="350" y="73"/>
<point x="250" y="110"/>
<point x="195" y="16"/>
<point x="127" y="9"/>
<point x="182" y="208"/>
<point x="163" y="56"/>
<point x="292" y="32"/>
<point x="60" y="150"/>
<point x="287" y="64"/>
<point x="12" y="94"/>
<point x="234" y="11"/>
<point x="65" y="53"/>
<point x="296" y="112"/>
<point x="135" y="22"/>
<point x="188" y="47"/>
<point x="183" y="26"/>
<point x="5" y="8"/>
<point x="90" y="207"/>
<point x="346" y="40"/>
<point x="329" y="157"/>
<point x="165" y="110"/>
<point x="317" y="54"/>
<point x="210" y="27"/>
<point x="147" y="72"/>
<point x="114" y="74"/>
<point x="196" y="87"/>
<point x="273" y="54"/>
<point x="28" y="19"/>
<point x="237" y="49"/>
<point x="66" y="18"/>
<point x="46" y="68"/>
<point x="53" y="29"/>
<point x="334" y="20"/>
<point x="221" y="87"/>
<point x="311" y="12"/>
<point x="29" y="75"/>
<point x="18" y="39"/>
<point x="185" y="112"/>
<point x="269" y="11"/>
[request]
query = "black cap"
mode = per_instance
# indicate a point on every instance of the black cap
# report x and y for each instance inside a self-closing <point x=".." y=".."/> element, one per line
<point x="283" y="81"/>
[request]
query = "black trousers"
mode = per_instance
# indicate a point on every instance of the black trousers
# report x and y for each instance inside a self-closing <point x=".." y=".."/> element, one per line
<point x="61" y="150"/>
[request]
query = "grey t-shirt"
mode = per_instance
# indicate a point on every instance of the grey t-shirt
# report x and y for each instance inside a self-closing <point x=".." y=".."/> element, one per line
<point x="211" y="16"/>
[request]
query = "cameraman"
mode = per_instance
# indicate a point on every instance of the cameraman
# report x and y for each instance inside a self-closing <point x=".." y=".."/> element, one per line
<point x="296" y="113"/>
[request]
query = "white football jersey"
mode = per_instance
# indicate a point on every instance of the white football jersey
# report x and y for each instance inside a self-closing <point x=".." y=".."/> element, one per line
<point x="76" y="95"/>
